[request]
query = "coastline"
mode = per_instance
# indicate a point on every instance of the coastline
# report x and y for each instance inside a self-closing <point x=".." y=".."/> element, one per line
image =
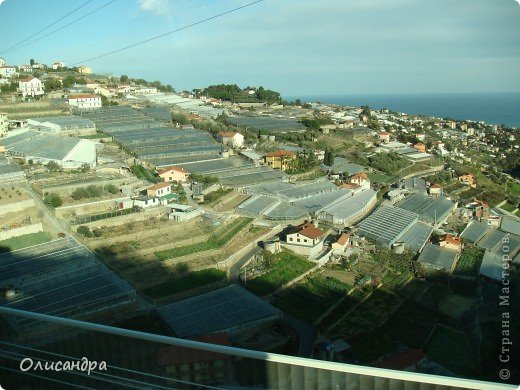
<point x="492" y="108"/>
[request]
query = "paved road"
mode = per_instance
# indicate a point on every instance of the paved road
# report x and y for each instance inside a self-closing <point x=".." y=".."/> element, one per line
<point x="234" y="270"/>
<point x="307" y="334"/>
<point x="50" y="217"/>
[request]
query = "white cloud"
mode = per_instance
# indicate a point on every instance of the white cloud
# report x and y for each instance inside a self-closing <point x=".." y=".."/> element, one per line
<point x="1" y="1"/>
<point x="159" y="7"/>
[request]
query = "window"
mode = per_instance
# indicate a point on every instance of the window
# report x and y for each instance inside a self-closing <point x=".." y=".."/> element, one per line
<point x="298" y="240"/>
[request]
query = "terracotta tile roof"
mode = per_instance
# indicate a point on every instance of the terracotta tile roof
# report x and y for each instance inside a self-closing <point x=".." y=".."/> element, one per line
<point x="343" y="239"/>
<point x="435" y="185"/>
<point x="309" y="230"/>
<point x="402" y="360"/>
<point x="84" y="96"/>
<point x="350" y="186"/>
<point x="171" y="356"/>
<point x="384" y="133"/>
<point x="280" y="153"/>
<point x="227" y="134"/>
<point x="360" y="176"/>
<point x="159" y="186"/>
<point x="450" y="239"/>
<point x="168" y="169"/>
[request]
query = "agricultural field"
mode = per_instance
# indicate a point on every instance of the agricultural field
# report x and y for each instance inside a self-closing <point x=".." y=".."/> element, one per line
<point x="15" y="243"/>
<point x="469" y="262"/>
<point x="216" y="241"/>
<point x="310" y="298"/>
<point x="342" y="310"/>
<point x="184" y="282"/>
<point x="508" y="207"/>
<point x="376" y="177"/>
<point x="131" y="249"/>
<point x="283" y="267"/>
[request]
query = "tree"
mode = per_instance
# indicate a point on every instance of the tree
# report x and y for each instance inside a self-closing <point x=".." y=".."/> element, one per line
<point x="85" y="231"/>
<point x="52" y="84"/>
<point x="123" y="78"/>
<point x="32" y="61"/>
<point x="53" y="166"/>
<point x="53" y="200"/>
<point x="330" y="161"/>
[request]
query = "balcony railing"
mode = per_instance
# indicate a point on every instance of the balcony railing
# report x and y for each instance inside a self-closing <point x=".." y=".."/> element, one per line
<point x="140" y="360"/>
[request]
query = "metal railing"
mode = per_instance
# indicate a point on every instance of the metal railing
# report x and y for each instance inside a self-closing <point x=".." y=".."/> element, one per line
<point x="180" y="363"/>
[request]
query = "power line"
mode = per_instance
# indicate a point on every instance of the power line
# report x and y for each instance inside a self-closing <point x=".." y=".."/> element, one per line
<point x="61" y="28"/>
<point x="170" y="32"/>
<point x="50" y="25"/>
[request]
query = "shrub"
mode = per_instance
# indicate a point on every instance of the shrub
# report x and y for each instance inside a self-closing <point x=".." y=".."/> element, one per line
<point x="85" y="231"/>
<point x="111" y="189"/>
<point x="53" y="200"/>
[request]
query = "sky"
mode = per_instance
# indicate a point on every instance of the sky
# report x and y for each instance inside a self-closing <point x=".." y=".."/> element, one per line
<point x="296" y="47"/>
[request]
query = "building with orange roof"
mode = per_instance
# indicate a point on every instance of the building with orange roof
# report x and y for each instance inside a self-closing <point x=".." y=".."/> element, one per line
<point x="361" y="179"/>
<point x="384" y="136"/>
<point x="280" y="159"/>
<point x="173" y="174"/>
<point x="341" y="243"/>
<point x="232" y="139"/>
<point x="85" y="100"/>
<point x="159" y="189"/>
<point x="468" y="179"/>
<point x="30" y="86"/>
<point x="195" y="365"/>
<point x="420" y="147"/>
<point x="305" y="239"/>
<point x="435" y="190"/>
<point x="450" y="242"/>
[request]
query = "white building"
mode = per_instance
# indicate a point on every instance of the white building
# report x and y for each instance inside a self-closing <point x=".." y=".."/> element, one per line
<point x="30" y="86"/>
<point x="39" y="66"/>
<point x="85" y="101"/>
<point x="7" y="71"/>
<point x="25" y="68"/>
<point x="305" y="239"/>
<point x="58" y="65"/>
<point x="181" y="212"/>
<point x="231" y="138"/>
<point x="2" y="61"/>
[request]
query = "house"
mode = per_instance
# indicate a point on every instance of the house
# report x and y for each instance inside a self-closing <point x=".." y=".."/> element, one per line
<point x="280" y="159"/>
<point x="384" y="136"/>
<point x="7" y="71"/>
<point x="420" y="147"/>
<point x="173" y="174"/>
<point x="39" y="66"/>
<point x="468" y="179"/>
<point x="195" y="365"/>
<point x="450" y="242"/>
<point x="159" y="189"/>
<point x="2" y="61"/>
<point x="30" y="86"/>
<point x="341" y="242"/>
<point x="85" y="101"/>
<point x="84" y="70"/>
<point x="361" y="179"/>
<point x="231" y="138"/>
<point x="25" y="68"/>
<point x="182" y="212"/>
<point x="58" y="65"/>
<point x="145" y="202"/>
<point x="305" y="239"/>
<point x="435" y="190"/>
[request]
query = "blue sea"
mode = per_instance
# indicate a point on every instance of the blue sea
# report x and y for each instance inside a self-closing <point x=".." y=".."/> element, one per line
<point x="492" y="108"/>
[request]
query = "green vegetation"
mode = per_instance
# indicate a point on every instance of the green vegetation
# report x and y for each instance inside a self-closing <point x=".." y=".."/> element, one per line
<point x="216" y="195"/>
<point x="316" y="121"/>
<point x="469" y="262"/>
<point x="310" y="299"/>
<point x="53" y="166"/>
<point x="375" y="177"/>
<point x="144" y="174"/>
<point x="329" y="157"/>
<point x="233" y="93"/>
<point x="24" y="241"/>
<point x="190" y="281"/>
<point x="53" y="200"/>
<point x="285" y="266"/>
<point x="217" y="241"/>
<point x="203" y="179"/>
<point x="369" y="346"/>
<point x="94" y="191"/>
<point x="85" y="231"/>
<point x="508" y="207"/>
